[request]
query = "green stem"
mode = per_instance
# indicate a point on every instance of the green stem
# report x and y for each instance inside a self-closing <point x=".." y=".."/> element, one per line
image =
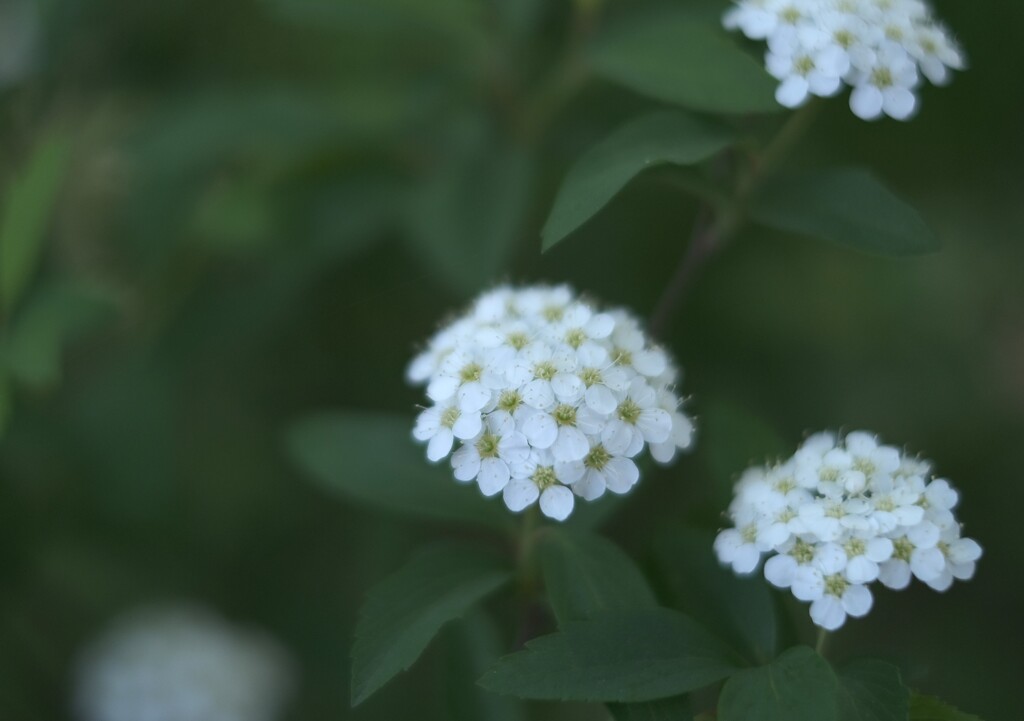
<point x="822" y="642"/>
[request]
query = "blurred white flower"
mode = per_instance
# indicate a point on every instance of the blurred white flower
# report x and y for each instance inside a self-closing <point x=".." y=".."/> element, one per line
<point x="180" y="663"/>
<point x="880" y="48"/>
<point x="841" y="514"/>
<point x="550" y="398"/>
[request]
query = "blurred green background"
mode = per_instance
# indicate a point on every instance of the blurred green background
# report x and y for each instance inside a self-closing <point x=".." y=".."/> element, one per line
<point x="261" y="207"/>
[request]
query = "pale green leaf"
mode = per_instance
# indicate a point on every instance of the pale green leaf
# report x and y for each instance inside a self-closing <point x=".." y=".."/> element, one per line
<point x="929" y="708"/>
<point x="619" y="656"/>
<point x="372" y="459"/>
<point x="404" y="612"/>
<point x="843" y="205"/>
<point x="585" y="574"/>
<point x="646" y="142"/>
<point x="797" y="686"/>
<point x="872" y="691"/>
<point x="26" y="214"/>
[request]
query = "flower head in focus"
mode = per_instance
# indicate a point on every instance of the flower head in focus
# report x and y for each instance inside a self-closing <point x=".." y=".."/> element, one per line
<point x="547" y="398"/>
<point x="840" y="515"/>
<point x="880" y="48"/>
<point x="180" y="663"/>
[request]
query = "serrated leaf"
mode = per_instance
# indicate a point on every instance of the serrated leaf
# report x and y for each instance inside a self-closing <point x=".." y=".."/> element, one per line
<point x="620" y="656"/>
<point x="646" y="142"/>
<point x="468" y="215"/>
<point x="371" y="458"/>
<point x="799" y="685"/>
<point x="872" y="691"/>
<point x="740" y="610"/>
<point x="676" y="54"/>
<point x="929" y="708"/>
<point x="843" y="205"/>
<point x="585" y="575"/>
<point x="26" y="214"/>
<point x="403" y="613"/>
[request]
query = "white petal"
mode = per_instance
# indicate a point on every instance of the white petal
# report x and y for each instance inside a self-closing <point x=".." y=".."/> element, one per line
<point x="879" y="549"/>
<point x="828" y="613"/>
<point x="468" y="426"/>
<point x="908" y="515"/>
<point x="616" y="437"/>
<point x="494" y="476"/>
<point x="861" y="570"/>
<point x="600" y="326"/>
<point x="927" y="563"/>
<point x="894" y="574"/>
<point x="942" y="582"/>
<point x="663" y="452"/>
<point x="746" y="559"/>
<point x="440" y="445"/>
<point x="569" y="473"/>
<point x="427" y="424"/>
<point x="519" y="494"/>
<point x="792" y="92"/>
<point x="570" y="445"/>
<point x="465" y="463"/>
<point x="866" y="102"/>
<point x="924" y="535"/>
<point x="807" y="584"/>
<point x="780" y="569"/>
<point x="857" y="600"/>
<point x="964" y="550"/>
<point x="899" y="103"/>
<point x="538" y="394"/>
<point x="601" y="400"/>
<point x="726" y="544"/>
<point x="620" y="474"/>
<point x="655" y="424"/>
<point x="556" y="502"/>
<point x="823" y="85"/>
<point x="568" y="387"/>
<point x="591" y="486"/>
<point x="514" y="448"/>
<point x="831" y="558"/>
<point x="541" y="430"/>
<point x="442" y="388"/>
<point x="651" y="363"/>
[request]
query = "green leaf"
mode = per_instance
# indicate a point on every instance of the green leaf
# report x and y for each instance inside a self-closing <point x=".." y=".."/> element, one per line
<point x="6" y="398"/>
<point x="872" y="691"/>
<point x="620" y="656"/>
<point x="474" y="645"/>
<point x="843" y="205"/>
<point x="467" y="216"/>
<point x="740" y="610"/>
<point x="27" y="210"/>
<point x="404" y="612"/>
<point x="371" y="458"/>
<point x="49" y="318"/>
<point x="676" y="708"/>
<point x="679" y="56"/>
<point x="646" y="142"/>
<point x="929" y="708"/>
<point x="797" y="686"/>
<point x="585" y="574"/>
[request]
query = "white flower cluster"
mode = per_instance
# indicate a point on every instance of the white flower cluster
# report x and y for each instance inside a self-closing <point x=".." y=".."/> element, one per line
<point x="841" y="514"/>
<point x="877" y="47"/>
<point x="179" y="663"/>
<point x="548" y="398"/>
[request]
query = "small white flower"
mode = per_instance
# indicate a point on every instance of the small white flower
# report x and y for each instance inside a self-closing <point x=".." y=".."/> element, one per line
<point x="534" y="378"/>
<point x="877" y="48"/>
<point x="840" y="515"/>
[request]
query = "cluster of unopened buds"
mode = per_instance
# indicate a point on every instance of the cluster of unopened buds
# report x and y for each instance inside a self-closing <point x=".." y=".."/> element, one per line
<point x="880" y="48"/>
<point x="841" y="514"/>
<point x="548" y="398"/>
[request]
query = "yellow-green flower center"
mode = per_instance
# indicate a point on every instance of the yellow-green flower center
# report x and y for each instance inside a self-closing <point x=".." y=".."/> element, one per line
<point x="803" y="552"/>
<point x="487" y="446"/>
<point x="518" y="340"/>
<point x="854" y="547"/>
<point x="471" y="372"/>
<point x="545" y="370"/>
<point x="564" y="415"/>
<point x="509" y="401"/>
<point x="597" y="458"/>
<point x="882" y="77"/>
<point x="629" y="411"/>
<point x="576" y="337"/>
<point x="902" y="548"/>
<point x="836" y="585"/>
<point x="544" y="477"/>
<point x="590" y="376"/>
<point x="449" y="416"/>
